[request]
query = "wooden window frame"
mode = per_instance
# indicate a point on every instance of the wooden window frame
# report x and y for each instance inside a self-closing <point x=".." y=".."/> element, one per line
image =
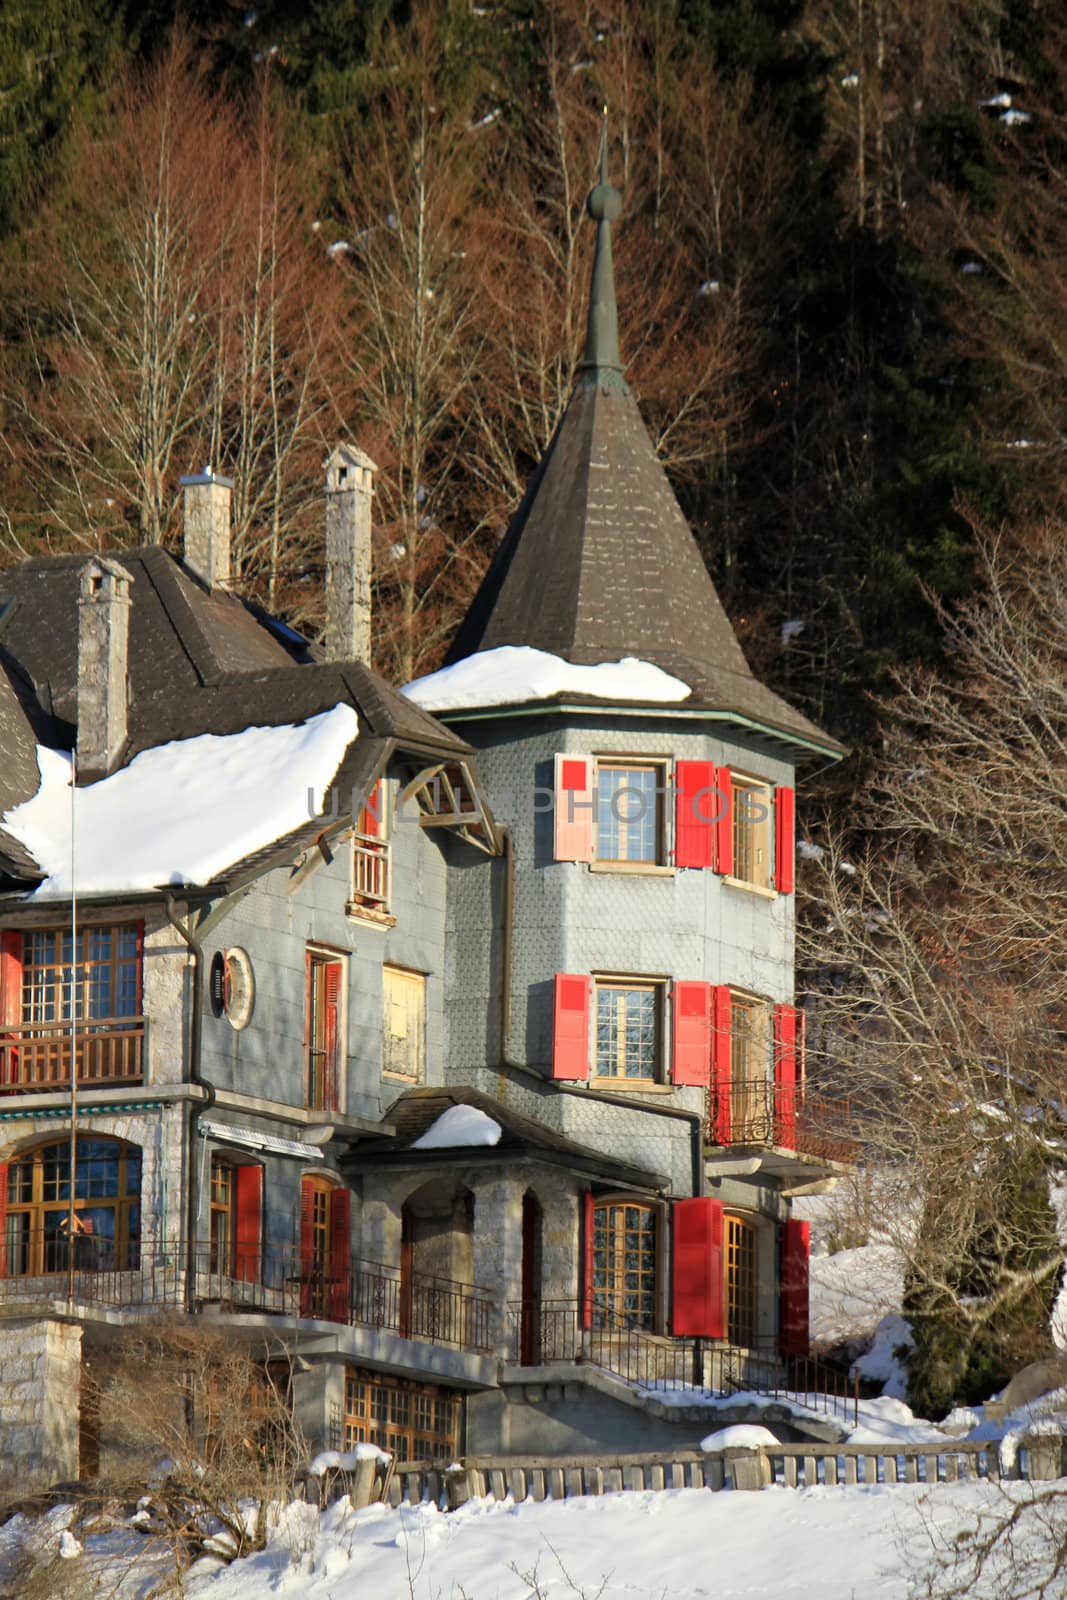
<point x="385" y="1410"/>
<point x="650" y="1318"/>
<point x="741" y="1235"/>
<point x="418" y="982"/>
<point x="35" y="985"/>
<point x="751" y="1069"/>
<point x="372" y="859"/>
<point x="328" y="1097"/>
<point x="660" y="767"/>
<point x="753" y="839"/>
<point x="659" y="987"/>
<point x="126" y="1206"/>
<point x="222" y="1216"/>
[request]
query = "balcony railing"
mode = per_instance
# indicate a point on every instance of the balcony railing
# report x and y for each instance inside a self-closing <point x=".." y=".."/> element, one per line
<point x="154" y="1274"/>
<point x="370" y="872"/>
<point x="36" y="1056"/>
<point x="754" y="1111"/>
<point x="550" y="1332"/>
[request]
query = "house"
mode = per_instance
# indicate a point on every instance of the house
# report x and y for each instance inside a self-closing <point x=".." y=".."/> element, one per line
<point x="445" y="1039"/>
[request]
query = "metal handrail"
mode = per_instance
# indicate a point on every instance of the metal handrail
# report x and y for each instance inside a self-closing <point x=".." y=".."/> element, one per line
<point x="244" y="1277"/>
<point x="549" y="1332"/>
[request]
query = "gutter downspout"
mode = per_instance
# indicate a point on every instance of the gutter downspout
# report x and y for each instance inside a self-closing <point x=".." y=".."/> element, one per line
<point x="506" y="943"/>
<point x="195" y="1106"/>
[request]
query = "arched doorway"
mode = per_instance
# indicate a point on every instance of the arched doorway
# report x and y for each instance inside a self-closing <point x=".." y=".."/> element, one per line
<point x="530" y="1314"/>
<point x="436" y="1259"/>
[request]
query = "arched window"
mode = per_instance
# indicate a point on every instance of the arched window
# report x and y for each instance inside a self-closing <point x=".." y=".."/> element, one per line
<point x="741" y="1281"/>
<point x="107" y="1207"/>
<point x="625" y="1252"/>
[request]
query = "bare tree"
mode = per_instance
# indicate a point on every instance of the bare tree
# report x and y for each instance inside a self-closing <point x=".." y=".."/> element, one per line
<point x="938" y="957"/>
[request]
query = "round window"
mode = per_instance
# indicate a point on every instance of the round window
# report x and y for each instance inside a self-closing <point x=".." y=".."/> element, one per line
<point x="232" y="987"/>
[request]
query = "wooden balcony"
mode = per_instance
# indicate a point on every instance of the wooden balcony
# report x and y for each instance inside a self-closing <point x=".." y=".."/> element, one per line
<point x="35" y="1057"/>
<point x="370" y="875"/>
<point x="757" y="1114"/>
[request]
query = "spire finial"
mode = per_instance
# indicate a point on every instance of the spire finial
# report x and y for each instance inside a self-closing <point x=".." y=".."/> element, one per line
<point x="602" y="359"/>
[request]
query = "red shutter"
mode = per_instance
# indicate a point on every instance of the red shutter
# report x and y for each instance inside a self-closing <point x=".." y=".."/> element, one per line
<point x="570" y="1032"/>
<point x="573" y="815"/>
<point x="340" y="1253"/>
<point x="784" y="840"/>
<point x="696" y="810"/>
<point x="3" y="1219"/>
<point x="793" y="1320"/>
<point x="249" y="1223"/>
<point x="332" y="985"/>
<point x="697" y="1282"/>
<point x="370" y="818"/>
<point x="10" y="998"/>
<point x="691" y="1061"/>
<point x="587" y="1285"/>
<point x="720" y="1064"/>
<point x="724" y="825"/>
<point x="785" y="1076"/>
<point x="308" y="1294"/>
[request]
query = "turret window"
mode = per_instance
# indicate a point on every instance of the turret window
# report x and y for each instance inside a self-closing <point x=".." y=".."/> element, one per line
<point x="629" y="1027"/>
<point x="751" y="807"/>
<point x="630" y="812"/>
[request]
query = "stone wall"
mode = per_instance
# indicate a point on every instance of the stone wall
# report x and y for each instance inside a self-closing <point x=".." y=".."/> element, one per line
<point x="40" y="1378"/>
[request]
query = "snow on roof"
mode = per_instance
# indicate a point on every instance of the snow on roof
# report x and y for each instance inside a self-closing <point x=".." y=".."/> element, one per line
<point x="183" y="812"/>
<point x="514" y="674"/>
<point x="459" y="1126"/>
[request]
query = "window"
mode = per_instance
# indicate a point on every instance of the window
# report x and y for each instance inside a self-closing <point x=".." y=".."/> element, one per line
<point x="107" y="979"/>
<point x="751" y="1080"/>
<point x="325" y="985"/>
<point x="629" y="1027"/>
<point x="223" y="1224"/>
<point x="371" y="857"/>
<point x="751" y="809"/>
<point x="107" y="1210"/>
<point x="630" y="812"/>
<point x="740" y="1281"/>
<point x="403" y="1024"/>
<point x="625" y="1259"/>
<point x="37" y="999"/>
<point x="415" y="1421"/>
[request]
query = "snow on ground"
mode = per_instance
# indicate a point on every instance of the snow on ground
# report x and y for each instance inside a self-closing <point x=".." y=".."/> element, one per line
<point x="458" y="1127"/>
<point x="183" y="812"/>
<point x="514" y="674"/>
<point x="741" y="1435"/>
<point x="685" y="1544"/>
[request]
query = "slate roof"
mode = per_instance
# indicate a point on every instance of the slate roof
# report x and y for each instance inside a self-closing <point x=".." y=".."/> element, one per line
<point x="599" y="562"/>
<point x="199" y="662"/>
<point x="520" y="1136"/>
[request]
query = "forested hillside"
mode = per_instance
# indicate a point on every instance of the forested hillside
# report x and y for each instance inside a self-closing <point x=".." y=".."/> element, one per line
<point x="841" y="274"/>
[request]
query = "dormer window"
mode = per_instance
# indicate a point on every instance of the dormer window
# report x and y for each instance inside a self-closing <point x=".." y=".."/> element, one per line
<point x="630" y="812"/>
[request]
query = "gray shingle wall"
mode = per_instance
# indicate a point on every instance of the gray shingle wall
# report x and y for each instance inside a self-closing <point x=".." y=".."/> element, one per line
<point x="569" y="919"/>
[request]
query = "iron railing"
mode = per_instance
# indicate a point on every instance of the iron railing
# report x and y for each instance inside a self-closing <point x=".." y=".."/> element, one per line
<point x="755" y="1111"/>
<point x="155" y="1275"/>
<point x="551" y="1332"/>
<point x="36" y="1055"/>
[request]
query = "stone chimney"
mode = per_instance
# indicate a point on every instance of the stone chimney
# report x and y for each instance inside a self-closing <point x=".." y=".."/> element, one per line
<point x="103" y="641"/>
<point x="349" y="492"/>
<point x="206" y="527"/>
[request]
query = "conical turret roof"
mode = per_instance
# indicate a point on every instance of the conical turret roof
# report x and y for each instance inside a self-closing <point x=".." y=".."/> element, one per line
<point x="599" y="562"/>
